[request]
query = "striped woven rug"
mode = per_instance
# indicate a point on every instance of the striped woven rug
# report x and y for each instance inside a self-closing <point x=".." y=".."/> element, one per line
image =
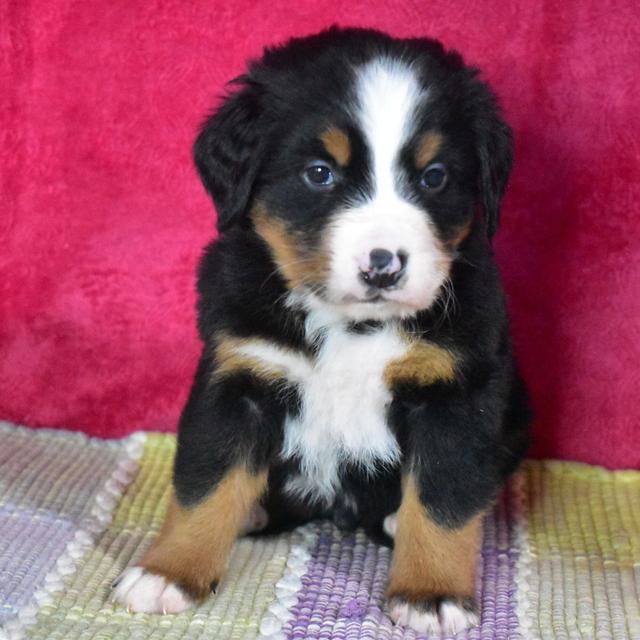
<point x="561" y="556"/>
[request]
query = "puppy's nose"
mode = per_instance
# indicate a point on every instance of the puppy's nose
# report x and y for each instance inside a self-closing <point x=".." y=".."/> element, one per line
<point x="380" y="258"/>
<point x="384" y="268"/>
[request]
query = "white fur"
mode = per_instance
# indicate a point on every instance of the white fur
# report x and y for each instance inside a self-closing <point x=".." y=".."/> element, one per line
<point x="407" y="615"/>
<point x="344" y="399"/>
<point x="344" y="404"/>
<point x="388" y="96"/>
<point x="143" y="592"/>
<point x="454" y="618"/>
<point x="350" y="503"/>
<point x="390" y="524"/>
<point x="297" y="366"/>
<point x="257" y="520"/>
<point x="358" y="311"/>
<point x="450" y="619"/>
<point x="305" y="487"/>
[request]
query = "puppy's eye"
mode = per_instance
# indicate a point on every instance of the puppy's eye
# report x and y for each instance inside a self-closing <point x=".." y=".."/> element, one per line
<point x="319" y="175"/>
<point x="434" y="177"/>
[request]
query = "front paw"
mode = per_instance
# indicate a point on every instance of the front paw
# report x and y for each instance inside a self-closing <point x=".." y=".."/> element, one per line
<point x="435" y="615"/>
<point x="143" y="592"/>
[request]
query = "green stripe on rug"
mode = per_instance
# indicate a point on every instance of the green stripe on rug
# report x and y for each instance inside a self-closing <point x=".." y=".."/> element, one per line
<point x="83" y="610"/>
<point x="579" y="570"/>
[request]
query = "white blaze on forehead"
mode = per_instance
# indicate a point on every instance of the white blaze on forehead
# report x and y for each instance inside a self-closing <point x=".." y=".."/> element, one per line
<point x="388" y="96"/>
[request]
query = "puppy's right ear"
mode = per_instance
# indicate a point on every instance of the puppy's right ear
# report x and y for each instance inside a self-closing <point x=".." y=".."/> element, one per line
<point x="228" y="155"/>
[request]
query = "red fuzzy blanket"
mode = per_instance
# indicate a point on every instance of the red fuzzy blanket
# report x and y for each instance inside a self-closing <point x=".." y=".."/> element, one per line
<point x="102" y="216"/>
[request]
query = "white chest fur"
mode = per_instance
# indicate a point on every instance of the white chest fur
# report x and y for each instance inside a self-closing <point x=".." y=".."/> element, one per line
<point x="343" y="410"/>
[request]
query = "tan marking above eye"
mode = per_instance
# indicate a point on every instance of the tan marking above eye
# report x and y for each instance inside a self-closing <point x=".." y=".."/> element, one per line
<point x="336" y="142"/>
<point x="427" y="148"/>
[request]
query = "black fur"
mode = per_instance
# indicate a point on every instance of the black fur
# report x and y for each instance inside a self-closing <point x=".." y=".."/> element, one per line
<point x="463" y="438"/>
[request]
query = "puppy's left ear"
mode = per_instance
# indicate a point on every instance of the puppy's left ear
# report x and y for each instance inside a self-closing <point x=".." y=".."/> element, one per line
<point x="228" y="153"/>
<point x="495" y="153"/>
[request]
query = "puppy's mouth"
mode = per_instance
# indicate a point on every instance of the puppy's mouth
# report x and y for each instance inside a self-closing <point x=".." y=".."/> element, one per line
<point x="378" y="306"/>
<point x="376" y="297"/>
<point x="385" y="292"/>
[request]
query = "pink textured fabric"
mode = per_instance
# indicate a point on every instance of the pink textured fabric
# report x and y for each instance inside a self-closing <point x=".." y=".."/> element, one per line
<point x="102" y="216"/>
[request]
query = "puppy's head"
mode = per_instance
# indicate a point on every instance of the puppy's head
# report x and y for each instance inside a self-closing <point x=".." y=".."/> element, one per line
<point x="363" y="162"/>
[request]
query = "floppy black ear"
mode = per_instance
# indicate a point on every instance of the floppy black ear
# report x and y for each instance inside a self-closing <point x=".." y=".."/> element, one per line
<point x="228" y="153"/>
<point x="495" y="152"/>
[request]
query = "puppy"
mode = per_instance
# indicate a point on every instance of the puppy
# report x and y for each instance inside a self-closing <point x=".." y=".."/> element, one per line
<point x="357" y="362"/>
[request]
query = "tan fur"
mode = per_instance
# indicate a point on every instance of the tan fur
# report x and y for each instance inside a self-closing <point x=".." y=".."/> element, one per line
<point x="299" y="265"/>
<point x="428" y="560"/>
<point x="336" y="142"/>
<point x="194" y="545"/>
<point x="460" y="236"/>
<point x="231" y="360"/>
<point x="427" y="148"/>
<point x="424" y="363"/>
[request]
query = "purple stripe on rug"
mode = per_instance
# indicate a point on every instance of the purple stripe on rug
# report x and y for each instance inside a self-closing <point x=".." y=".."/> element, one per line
<point x="30" y="544"/>
<point x="342" y="595"/>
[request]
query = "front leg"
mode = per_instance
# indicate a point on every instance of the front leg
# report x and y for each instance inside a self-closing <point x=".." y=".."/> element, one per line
<point x="457" y="461"/>
<point x="229" y="431"/>
<point x="432" y="577"/>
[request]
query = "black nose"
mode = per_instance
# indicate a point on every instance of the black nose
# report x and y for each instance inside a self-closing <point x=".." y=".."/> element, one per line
<point x="385" y="268"/>
<point x="380" y="258"/>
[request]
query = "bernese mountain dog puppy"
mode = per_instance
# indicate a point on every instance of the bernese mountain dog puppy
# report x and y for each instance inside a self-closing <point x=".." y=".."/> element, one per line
<point x="357" y="362"/>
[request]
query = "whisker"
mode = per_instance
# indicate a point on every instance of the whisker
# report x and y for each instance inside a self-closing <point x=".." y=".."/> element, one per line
<point x="447" y="301"/>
